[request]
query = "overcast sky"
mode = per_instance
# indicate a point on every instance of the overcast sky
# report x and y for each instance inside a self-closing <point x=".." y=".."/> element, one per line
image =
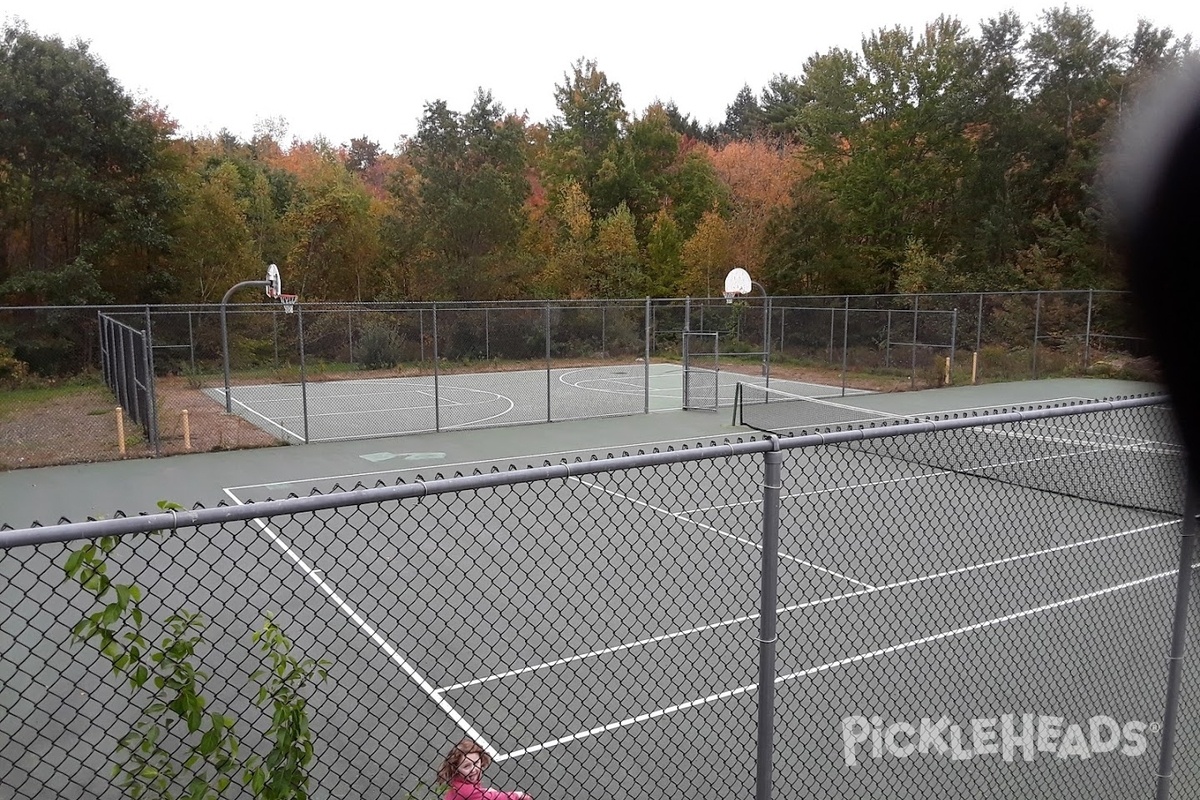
<point x="353" y="68"/>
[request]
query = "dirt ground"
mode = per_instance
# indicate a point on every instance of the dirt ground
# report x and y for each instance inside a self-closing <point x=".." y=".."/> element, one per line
<point x="81" y="427"/>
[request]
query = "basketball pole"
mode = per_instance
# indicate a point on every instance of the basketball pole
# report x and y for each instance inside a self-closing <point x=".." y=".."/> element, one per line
<point x="271" y="282"/>
<point x="225" y="335"/>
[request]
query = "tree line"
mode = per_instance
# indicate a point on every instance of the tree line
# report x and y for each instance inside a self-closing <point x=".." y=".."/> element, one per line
<point x="930" y="160"/>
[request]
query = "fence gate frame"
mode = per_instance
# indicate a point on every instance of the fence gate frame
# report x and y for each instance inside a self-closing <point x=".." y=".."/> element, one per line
<point x="127" y="367"/>
<point x="698" y="365"/>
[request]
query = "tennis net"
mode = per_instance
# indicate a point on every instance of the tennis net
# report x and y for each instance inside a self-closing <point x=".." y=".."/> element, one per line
<point x="788" y="414"/>
<point x="1082" y="456"/>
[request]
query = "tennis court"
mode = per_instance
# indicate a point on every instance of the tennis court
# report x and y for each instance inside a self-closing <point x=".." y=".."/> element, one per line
<point x="376" y="407"/>
<point x="584" y="627"/>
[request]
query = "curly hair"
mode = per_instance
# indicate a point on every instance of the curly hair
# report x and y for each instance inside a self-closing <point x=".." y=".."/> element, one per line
<point x="455" y="757"/>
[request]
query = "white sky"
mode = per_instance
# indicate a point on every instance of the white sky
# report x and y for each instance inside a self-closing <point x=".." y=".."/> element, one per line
<point x="353" y="68"/>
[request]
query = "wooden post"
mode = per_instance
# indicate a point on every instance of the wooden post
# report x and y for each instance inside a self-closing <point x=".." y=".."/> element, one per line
<point x="974" y="366"/>
<point x="187" y="431"/>
<point x="120" y="430"/>
<point x="946" y="378"/>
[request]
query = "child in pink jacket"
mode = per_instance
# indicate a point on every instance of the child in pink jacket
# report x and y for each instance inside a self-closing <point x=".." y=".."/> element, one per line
<point x="463" y="769"/>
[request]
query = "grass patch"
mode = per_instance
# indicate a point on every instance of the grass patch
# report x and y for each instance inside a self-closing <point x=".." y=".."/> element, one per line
<point x="21" y="399"/>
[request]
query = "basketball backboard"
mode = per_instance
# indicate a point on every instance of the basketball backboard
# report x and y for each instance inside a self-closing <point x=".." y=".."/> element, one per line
<point x="274" y="282"/>
<point x="737" y="282"/>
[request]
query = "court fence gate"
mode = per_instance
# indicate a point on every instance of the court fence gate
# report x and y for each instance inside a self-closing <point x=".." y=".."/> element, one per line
<point x="983" y="604"/>
<point x="127" y="367"/>
<point x="701" y="371"/>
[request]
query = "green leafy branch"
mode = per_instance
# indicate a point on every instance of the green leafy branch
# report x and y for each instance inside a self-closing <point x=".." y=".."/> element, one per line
<point x="283" y="774"/>
<point x="167" y="671"/>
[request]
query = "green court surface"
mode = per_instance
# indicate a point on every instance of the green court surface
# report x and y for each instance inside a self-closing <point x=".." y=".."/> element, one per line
<point x="101" y="490"/>
<point x="895" y="593"/>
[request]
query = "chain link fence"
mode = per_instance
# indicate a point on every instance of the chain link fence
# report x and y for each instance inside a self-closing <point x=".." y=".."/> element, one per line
<point x="331" y="372"/>
<point x="976" y="605"/>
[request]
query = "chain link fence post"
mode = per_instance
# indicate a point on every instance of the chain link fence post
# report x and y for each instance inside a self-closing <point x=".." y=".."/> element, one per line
<point x="549" y="414"/>
<point x="303" y="371"/>
<point x="649" y="321"/>
<point x="151" y="389"/>
<point x="1087" y="334"/>
<point x="1037" y="324"/>
<point x="768" y="631"/>
<point x="437" y="403"/>
<point x="1187" y="549"/>
<point x="953" y="339"/>
<point x="916" y="312"/>
<point x="845" y="342"/>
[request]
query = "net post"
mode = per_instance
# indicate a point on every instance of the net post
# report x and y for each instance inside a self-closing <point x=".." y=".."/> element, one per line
<point x="768" y="631"/>
<point x="1187" y="548"/>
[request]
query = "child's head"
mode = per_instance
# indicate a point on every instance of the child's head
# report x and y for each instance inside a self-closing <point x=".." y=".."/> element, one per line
<point x="467" y="761"/>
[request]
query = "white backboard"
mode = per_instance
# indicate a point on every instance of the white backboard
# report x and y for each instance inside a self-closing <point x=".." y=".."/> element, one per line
<point x="737" y="281"/>
<point x="274" y="282"/>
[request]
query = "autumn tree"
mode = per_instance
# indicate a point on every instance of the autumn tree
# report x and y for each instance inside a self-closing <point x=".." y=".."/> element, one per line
<point x="616" y="266"/>
<point x="759" y="175"/>
<point x="213" y="246"/>
<point x="664" y="256"/>
<point x="570" y="228"/>
<point x="707" y="257"/>
<point x="85" y="196"/>
<point x="472" y="191"/>
<point x="584" y="136"/>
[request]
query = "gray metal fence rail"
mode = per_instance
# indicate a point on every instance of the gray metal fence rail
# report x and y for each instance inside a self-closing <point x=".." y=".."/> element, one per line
<point x="823" y="615"/>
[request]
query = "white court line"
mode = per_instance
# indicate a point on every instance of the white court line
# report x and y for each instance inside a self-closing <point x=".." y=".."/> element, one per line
<point x="316" y="396"/>
<point x="1059" y="425"/>
<point x="383" y="644"/>
<point x="1143" y="445"/>
<point x="268" y="420"/>
<point x="896" y="648"/>
<point x="369" y="412"/>
<point x="683" y="518"/>
<point x="366" y="412"/>
<point x="437" y="399"/>
<point x="714" y="437"/>
<point x="807" y="604"/>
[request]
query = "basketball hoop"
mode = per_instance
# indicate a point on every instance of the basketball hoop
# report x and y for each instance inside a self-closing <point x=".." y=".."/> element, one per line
<point x="289" y="302"/>
<point x="729" y="296"/>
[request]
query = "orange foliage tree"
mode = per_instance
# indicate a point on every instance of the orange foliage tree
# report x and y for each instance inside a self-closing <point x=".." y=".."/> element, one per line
<point x="760" y="175"/>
